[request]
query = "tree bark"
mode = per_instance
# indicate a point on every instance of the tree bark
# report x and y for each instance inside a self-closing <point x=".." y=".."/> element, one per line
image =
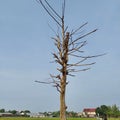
<point x="63" y="82"/>
<point x="62" y="104"/>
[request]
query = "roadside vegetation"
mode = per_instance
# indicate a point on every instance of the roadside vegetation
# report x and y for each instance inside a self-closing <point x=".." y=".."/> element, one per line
<point x="111" y="111"/>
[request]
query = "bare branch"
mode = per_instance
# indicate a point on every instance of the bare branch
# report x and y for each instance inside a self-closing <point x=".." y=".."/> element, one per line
<point x="71" y="75"/>
<point x="78" y="64"/>
<point x="73" y="32"/>
<point x="43" y="82"/>
<point x="74" y="70"/>
<point x="53" y="9"/>
<point x="82" y="37"/>
<point x="52" y="29"/>
<point x="76" y="48"/>
<point x="66" y="29"/>
<point x="57" y="87"/>
<point x="56" y="77"/>
<point x="57" y="59"/>
<point x="82" y="70"/>
<point x="56" y="83"/>
<point x="58" y="42"/>
<point x="49" y="12"/>
<point x="90" y="56"/>
<point x="63" y="9"/>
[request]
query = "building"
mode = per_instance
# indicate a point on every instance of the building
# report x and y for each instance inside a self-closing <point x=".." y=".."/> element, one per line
<point x="37" y="115"/>
<point x="6" y="114"/>
<point x="89" y="112"/>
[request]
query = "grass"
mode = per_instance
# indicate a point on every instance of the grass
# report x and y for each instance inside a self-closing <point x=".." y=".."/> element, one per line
<point x="22" y="118"/>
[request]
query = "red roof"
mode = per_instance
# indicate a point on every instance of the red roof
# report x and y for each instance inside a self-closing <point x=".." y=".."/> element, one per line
<point x="89" y="110"/>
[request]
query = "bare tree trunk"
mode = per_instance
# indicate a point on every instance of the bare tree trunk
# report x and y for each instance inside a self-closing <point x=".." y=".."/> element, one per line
<point x="63" y="82"/>
<point x="62" y="104"/>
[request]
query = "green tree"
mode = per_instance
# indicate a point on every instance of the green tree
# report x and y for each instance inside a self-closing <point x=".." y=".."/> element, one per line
<point x="2" y="110"/>
<point x="56" y="114"/>
<point x="26" y="111"/>
<point x="71" y="114"/>
<point x="99" y="111"/>
<point x="13" y="112"/>
<point x="102" y="110"/>
<point x="110" y="111"/>
<point x="46" y="114"/>
<point x="115" y="111"/>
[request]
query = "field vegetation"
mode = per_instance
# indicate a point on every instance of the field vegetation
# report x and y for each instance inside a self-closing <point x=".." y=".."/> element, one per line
<point x="28" y="118"/>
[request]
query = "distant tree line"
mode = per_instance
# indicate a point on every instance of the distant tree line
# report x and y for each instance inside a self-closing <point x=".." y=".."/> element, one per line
<point x="110" y="111"/>
<point x="47" y="114"/>
<point x="68" y="114"/>
<point x="103" y="110"/>
<point x="15" y="112"/>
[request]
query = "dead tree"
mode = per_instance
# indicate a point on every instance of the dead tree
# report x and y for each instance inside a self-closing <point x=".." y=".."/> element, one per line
<point x="67" y="46"/>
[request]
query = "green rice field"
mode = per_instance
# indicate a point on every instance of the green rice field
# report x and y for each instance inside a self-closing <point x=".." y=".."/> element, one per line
<point x="22" y="118"/>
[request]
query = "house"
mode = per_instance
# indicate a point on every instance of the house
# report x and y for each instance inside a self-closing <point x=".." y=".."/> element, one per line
<point x="89" y="112"/>
<point x="6" y="114"/>
<point x="37" y="115"/>
<point x="80" y="114"/>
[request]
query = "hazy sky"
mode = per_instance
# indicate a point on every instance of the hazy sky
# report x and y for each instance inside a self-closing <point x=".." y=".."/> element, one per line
<point x="26" y="47"/>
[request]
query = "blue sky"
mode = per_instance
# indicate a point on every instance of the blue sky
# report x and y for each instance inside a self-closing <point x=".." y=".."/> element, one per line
<point x="26" y="47"/>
